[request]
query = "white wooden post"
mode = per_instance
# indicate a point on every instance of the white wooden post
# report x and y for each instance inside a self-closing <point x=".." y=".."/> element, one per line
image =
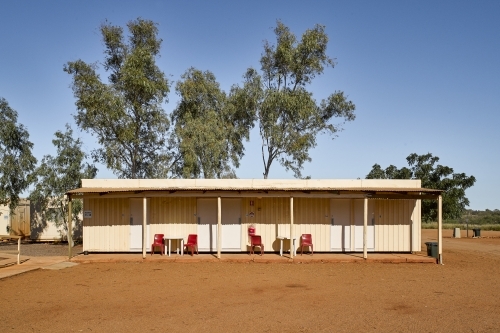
<point x="291" y="228"/>
<point x="440" y="230"/>
<point x="219" y="227"/>
<point x="70" y="226"/>
<point x="351" y="216"/>
<point x="365" y="226"/>
<point x="144" y="230"/>
<point x="19" y="251"/>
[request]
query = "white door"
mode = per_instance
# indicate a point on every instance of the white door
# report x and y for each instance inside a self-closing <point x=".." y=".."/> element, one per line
<point x="136" y="217"/>
<point x="230" y="220"/>
<point x="207" y="224"/>
<point x="340" y="230"/>
<point x="358" y="225"/>
<point x="231" y="224"/>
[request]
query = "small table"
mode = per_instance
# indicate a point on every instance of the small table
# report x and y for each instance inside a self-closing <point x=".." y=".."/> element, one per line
<point x="169" y="238"/>
<point x="281" y="238"/>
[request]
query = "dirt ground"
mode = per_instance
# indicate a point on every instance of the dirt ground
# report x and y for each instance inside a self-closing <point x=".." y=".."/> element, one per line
<point x="461" y="296"/>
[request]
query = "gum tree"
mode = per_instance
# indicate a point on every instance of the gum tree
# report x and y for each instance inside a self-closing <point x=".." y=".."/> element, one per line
<point x="209" y="130"/>
<point x="125" y="113"/>
<point x="16" y="160"/>
<point x="289" y="118"/>
<point x="58" y="174"/>
<point x="433" y="176"/>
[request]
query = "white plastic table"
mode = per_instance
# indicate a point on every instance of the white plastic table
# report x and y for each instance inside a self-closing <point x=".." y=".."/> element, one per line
<point x="169" y="238"/>
<point x="281" y="238"/>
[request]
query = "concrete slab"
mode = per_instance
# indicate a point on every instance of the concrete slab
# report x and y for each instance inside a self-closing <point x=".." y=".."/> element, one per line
<point x="266" y="258"/>
<point x="61" y="265"/>
<point x="29" y="264"/>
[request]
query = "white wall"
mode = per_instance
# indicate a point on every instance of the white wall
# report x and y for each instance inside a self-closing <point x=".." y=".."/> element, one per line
<point x="4" y="219"/>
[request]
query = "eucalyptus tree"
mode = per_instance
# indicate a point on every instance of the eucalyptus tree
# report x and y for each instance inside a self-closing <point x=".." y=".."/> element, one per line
<point x="58" y="174"/>
<point x="209" y="130"/>
<point x="289" y="118"/>
<point x="125" y="114"/>
<point x="432" y="176"/>
<point x="16" y="160"/>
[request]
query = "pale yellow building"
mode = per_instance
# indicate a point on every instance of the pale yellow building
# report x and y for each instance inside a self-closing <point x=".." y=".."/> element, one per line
<point x="360" y="215"/>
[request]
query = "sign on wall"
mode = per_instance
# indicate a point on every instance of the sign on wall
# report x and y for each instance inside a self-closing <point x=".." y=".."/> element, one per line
<point x="87" y="214"/>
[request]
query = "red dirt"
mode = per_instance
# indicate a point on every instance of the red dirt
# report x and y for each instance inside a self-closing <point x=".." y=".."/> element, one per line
<point x="461" y="296"/>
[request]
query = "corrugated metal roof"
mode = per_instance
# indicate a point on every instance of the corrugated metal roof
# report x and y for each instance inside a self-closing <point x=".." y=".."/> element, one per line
<point x="257" y="189"/>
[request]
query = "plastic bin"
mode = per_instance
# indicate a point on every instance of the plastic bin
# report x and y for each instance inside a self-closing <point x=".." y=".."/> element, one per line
<point x="456" y="233"/>
<point x="477" y="232"/>
<point x="432" y="249"/>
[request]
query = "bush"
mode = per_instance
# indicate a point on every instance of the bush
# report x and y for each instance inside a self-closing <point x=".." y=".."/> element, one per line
<point x="462" y="226"/>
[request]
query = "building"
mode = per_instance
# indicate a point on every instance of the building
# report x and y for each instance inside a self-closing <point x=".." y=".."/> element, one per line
<point x="363" y="215"/>
<point x="15" y="223"/>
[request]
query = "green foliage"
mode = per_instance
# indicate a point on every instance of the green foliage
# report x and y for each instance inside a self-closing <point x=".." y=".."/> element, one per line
<point x="208" y="129"/>
<point x="16" y="161"/>
<point x="126" y="114"/>
<point x="482" y="217"/>
<point x="432" y="176"/>
<point x="57" y="175"/>
<point x="289" y="117"/>
<point x="452" y="225"/>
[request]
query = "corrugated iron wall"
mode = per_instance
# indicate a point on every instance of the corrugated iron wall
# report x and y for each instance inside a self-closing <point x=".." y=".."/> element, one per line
<point x="271" y="217"/>
<point x="108" y="230"/>
<point x="397" y="222"/>
<point x="393" y="224"/>
<point x="312" y="216"/>
<point x="173" y="216"/>
<point x="267" y="215"/>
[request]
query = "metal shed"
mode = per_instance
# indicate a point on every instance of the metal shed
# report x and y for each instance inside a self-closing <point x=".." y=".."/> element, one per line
<point x="121" y="215"/>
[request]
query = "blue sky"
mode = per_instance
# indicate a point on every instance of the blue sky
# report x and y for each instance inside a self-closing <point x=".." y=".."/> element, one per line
<point x="425" y="76"/>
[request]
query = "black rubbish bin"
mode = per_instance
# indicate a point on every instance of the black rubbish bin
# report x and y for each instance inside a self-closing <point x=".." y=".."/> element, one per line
<point x="432" y="249"/>
<point x="477" y="232"/>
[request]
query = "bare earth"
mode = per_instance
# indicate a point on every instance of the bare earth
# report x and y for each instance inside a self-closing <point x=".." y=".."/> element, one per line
<point x="461" y="296"/>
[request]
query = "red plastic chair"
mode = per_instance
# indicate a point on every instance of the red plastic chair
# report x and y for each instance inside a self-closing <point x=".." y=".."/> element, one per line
<point x="158" y="242"/>
<point x="256" y="241"/>
<point x="192" y="243"/>
<point x="306" y="240"/>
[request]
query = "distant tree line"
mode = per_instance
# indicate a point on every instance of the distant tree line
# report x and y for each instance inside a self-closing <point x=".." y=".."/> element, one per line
<point x="481" y="216"/>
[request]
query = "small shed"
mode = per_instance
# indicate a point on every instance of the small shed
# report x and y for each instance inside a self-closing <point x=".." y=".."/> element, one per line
<point x="358" y="215"/>
<point x="15" y="223"/>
